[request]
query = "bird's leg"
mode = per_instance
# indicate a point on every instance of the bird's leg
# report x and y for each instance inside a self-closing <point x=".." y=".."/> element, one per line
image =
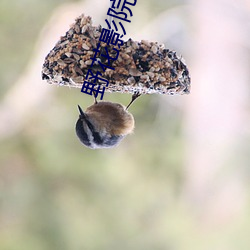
<point x="95" y="97"/>
<point x="134" y="97"/>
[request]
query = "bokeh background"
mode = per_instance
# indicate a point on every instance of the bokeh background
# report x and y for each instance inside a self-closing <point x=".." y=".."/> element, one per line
<point x="180" y="182"/>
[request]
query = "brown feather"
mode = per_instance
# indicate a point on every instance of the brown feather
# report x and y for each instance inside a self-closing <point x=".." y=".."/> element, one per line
<point x="111" y="117"/>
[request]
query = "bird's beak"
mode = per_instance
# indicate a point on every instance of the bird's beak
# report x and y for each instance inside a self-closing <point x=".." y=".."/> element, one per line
<point x="82" y="115"/>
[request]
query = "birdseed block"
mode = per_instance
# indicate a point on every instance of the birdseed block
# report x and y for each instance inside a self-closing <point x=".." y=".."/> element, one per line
<point x="144" y="67"/>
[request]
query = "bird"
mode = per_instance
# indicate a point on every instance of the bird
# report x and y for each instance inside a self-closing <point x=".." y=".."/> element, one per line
<point x="104" y="124"/>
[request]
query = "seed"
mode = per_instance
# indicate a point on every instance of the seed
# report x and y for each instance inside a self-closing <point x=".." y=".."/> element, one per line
<point x="69" y="60"/>
<point x="64" y="43"/>
<point x="134" y="72"/>
<point x="77" y="29"/>
<point x="84" y="29"/>
<point x="77" y="57"/>
<point x="78" y="70"/>
<point x="145" y="42"/>
<point x="134" y="45"/>
<point x="68" y="54"/>
<point x="88" y="62"/>
<point x="131" y="80"/>
<point x="145" y="78"/>
<point x="78" y="51"/>
<point x="154" y="49"/>
<point x="125" y="56"/>
<point x="77" y="79"/>
<point x="85" y="46"/>
<point x="150" y="74"/>
<point x="61" y="62"/>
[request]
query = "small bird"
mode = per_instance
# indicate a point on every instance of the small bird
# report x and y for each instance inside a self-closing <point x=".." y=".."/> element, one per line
<point x="104" y="124"/>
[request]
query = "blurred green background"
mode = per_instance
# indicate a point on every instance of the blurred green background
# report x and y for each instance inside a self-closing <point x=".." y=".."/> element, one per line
<point x="180" y="182"/>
